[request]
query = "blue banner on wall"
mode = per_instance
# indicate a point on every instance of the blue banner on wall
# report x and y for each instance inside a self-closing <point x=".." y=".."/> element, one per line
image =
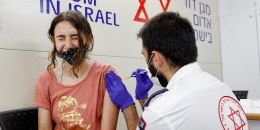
<point x="85" y="7"/>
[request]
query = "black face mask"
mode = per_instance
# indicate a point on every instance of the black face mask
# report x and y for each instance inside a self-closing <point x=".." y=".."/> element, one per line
<point x="163" y="81"/>
<point x="67" y="55"/>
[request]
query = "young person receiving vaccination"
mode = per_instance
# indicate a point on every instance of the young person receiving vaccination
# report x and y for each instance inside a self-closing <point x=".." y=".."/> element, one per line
<point x="73" y="95"/>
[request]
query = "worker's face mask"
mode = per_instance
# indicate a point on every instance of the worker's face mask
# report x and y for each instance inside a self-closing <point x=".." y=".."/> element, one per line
<point x="157" y="78"/>
<point x="67" y="55"/>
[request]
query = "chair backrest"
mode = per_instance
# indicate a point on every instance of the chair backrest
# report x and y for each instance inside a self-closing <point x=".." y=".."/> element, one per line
<point x="240" y="94"/>
<point x="19" y="119"/>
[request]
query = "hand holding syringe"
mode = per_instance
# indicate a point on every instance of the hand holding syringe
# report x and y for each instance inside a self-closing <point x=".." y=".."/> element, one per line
<point x="143" y="83"/>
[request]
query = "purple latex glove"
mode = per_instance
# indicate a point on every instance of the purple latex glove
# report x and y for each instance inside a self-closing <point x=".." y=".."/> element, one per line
<point x="143" y="84"/>
<point x="117" y="91"/>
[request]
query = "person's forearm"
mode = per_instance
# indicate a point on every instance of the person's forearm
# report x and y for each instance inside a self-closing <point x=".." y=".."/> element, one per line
<point x="110" y="114"/>
<point x="131" y="117"/>
<point x="142" y="101"/>
<point x="44" y="119"/>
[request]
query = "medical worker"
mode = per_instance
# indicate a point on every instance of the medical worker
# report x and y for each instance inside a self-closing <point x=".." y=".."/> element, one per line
<point x="191" y="98"/>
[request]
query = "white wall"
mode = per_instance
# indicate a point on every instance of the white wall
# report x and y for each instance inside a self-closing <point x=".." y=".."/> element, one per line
<point x="24" y="44"/>
<point x="240" y="45"/>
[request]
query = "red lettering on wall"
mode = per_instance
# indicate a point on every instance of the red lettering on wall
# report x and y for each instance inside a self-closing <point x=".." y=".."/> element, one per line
<point x="166" y="6"/>
<point x="141" y="8"/>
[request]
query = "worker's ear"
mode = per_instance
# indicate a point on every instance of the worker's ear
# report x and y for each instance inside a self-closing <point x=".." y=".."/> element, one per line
<point x="158" y="58"/>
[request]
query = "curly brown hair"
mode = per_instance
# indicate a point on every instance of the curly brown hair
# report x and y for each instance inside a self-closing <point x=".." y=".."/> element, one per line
<point x="84" y="31"/>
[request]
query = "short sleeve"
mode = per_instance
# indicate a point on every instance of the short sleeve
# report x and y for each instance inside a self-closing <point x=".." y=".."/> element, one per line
<point x="42" y="96"/>
<point x="102" y="71"/>
<point x="109" y="68"/>
<point x="151" y="120"/>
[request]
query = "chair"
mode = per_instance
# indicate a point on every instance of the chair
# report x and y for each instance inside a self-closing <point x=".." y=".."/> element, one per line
<point x="19" y="119"/>
<point x="241" y="94"/>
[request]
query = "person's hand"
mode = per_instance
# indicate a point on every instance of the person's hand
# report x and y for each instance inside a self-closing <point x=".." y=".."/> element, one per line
<point x="117" y="91"/>
<point x="143" y="84"/>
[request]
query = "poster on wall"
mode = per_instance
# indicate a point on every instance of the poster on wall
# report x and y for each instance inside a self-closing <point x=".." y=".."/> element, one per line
<point x="204" y="17"/>
<point x="114" y="23"/>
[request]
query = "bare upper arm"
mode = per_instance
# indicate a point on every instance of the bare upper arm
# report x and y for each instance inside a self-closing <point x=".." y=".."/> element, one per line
<point x="44" y="119"/>
<point x="110" y="114"/>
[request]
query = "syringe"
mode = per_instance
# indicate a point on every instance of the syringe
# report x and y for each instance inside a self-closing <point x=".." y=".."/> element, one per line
<point x="135" y="75"/>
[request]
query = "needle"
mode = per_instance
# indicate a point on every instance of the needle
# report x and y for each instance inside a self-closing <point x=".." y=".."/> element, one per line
<point x="135" y="75"/>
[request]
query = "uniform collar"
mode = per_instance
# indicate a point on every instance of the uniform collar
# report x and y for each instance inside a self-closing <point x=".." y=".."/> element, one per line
<point x="182" y="72"/>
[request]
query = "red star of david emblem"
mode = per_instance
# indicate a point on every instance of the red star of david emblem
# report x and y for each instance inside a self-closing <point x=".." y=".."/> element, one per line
<point x="237" y="114"/>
